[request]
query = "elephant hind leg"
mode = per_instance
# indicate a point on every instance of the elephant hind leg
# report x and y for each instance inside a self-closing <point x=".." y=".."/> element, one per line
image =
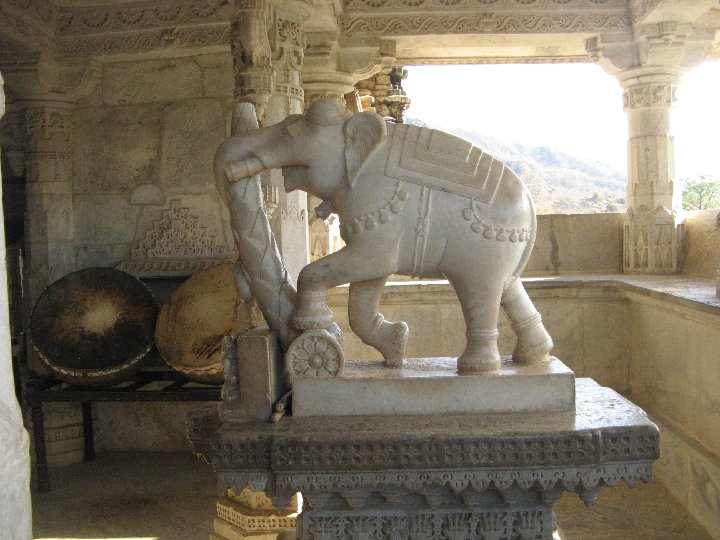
<point x="480" y="303"/>
<point x="533" y="342"/>
<point x="370" y="325"/>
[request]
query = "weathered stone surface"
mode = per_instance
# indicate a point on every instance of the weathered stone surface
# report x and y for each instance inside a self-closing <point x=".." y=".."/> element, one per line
<point x="605" y="341"/>
<point x="147" y="194"/>
<point x="217" y="74"/>
<point x="704" y="492"/>
<point x="191" y="133"/>
<point x="152" y="427"/>
<point x="432" y="386"/>
<point x="87" y="256"/>
<point x="255" y="366"/>
<point x="691" y="474"/>
<point x="107" y="219"/>
<point x="116" y="148"/>
<point x="577" y="243"/>
<point x="151" y="81"/>
<point x="703" y="244"/>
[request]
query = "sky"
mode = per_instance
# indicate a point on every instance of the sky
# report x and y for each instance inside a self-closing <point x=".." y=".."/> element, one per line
<point x="576" y="108"/>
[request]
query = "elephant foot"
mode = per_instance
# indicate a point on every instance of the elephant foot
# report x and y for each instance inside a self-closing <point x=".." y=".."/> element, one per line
<point x="311" y="313"/>
<point x="481" y="355"/>
<point x="533" y="342"/>
<point x="393" y="338"/>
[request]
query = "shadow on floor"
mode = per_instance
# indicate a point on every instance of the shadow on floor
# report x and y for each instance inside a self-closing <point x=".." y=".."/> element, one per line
<point x="172" y="497"/>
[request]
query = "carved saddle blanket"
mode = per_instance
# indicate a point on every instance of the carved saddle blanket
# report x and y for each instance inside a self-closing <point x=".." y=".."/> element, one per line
<point x="442" y="161"/>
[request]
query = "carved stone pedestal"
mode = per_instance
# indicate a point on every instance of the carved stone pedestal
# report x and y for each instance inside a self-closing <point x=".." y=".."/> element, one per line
<point x="464" y="476"/>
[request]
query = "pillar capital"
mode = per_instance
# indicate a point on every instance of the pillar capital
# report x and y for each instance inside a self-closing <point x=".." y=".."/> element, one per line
<point x="669" y="48"/>
<point x="333" y="65"/>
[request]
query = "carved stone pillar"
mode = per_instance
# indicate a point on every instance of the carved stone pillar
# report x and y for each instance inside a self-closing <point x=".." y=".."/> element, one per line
<point x="649" y="64"/>
<point x="267" y="48"/>
<point x="49" y="215"/>
<point x="15" y="510"/>
<point x="653" y="229"/>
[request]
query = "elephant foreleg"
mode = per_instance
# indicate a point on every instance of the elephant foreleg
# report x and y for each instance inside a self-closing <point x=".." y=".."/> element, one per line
<point x="533" y="342"/>
<point x="370" y="325"/>
<point x="350" y="264"/>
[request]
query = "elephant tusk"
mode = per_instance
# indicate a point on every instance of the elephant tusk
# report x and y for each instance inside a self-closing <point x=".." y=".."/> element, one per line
<point x="244" y="168"/>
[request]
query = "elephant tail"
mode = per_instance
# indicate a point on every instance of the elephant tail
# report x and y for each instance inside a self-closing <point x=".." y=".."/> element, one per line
<point x="528" y="245"/>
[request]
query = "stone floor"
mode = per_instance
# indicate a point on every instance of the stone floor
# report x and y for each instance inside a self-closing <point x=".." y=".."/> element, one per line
<point x="148" y="496"/>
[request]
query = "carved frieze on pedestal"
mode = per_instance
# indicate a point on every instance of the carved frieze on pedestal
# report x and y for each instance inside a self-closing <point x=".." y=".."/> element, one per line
<point x="428" y="477"/>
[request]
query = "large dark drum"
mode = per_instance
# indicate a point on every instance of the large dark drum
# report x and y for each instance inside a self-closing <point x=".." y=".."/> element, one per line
<point x="94" y="327"/>
<point x="193" y="322"/>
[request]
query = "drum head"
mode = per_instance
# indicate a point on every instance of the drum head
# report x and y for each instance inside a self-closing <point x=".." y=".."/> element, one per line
<point x="94" y="326"/>
<point x="193" y="322"/>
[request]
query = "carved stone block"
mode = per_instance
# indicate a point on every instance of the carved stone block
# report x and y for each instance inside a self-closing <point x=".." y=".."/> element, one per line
<point x="260" y="375"/>
<point x="433" y="386"/>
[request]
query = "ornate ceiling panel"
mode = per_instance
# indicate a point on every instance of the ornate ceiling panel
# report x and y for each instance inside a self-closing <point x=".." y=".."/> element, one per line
<point x="422" y="17"/>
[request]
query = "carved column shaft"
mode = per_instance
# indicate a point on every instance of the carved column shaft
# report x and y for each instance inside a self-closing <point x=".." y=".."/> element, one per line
<point x="49" y="215"/>
<point x="15" y="510"/>
<point x="250" y="49"/>
<point x="651" y="154"/>
<point x="653" y="236"/>
<point x="267" y="48"/>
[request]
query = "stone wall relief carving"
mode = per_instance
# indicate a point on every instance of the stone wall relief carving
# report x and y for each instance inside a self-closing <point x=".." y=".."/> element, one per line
<point x="178" y="243"/>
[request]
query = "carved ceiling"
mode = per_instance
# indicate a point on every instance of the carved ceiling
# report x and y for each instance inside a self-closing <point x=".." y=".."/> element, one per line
<point x="423" y="31"/>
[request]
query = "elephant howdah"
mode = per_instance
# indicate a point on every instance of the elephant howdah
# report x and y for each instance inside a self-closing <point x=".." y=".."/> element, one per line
<point x="412" y="201"/>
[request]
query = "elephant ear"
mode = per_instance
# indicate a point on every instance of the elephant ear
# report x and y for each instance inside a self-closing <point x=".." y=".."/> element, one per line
<point x="364" y="133"/>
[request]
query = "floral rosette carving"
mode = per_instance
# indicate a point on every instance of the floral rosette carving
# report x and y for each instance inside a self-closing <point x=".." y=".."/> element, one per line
<point x="315" y="353"/>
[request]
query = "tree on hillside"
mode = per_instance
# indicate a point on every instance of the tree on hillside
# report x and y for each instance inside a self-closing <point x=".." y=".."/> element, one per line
<point x="701" y="194"/>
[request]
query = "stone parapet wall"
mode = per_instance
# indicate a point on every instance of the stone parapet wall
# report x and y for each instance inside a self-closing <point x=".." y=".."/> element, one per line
<point x="702" y="256"/>
<point x="571" y="243"/>
<point x="579" y="319"/>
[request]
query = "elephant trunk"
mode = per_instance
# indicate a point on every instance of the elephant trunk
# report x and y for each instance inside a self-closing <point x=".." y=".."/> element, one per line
<point x="243" y="168"/>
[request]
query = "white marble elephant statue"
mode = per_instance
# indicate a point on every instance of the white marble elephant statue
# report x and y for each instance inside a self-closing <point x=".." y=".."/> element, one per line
<point x="411" y="201"/>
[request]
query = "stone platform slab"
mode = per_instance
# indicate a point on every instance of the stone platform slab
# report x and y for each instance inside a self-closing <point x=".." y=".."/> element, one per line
<point x="427" y="477"/>
<point x="433" y="386"/>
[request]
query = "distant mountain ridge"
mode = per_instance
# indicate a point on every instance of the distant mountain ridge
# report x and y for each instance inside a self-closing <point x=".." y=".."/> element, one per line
<point x="559" y="182"/>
